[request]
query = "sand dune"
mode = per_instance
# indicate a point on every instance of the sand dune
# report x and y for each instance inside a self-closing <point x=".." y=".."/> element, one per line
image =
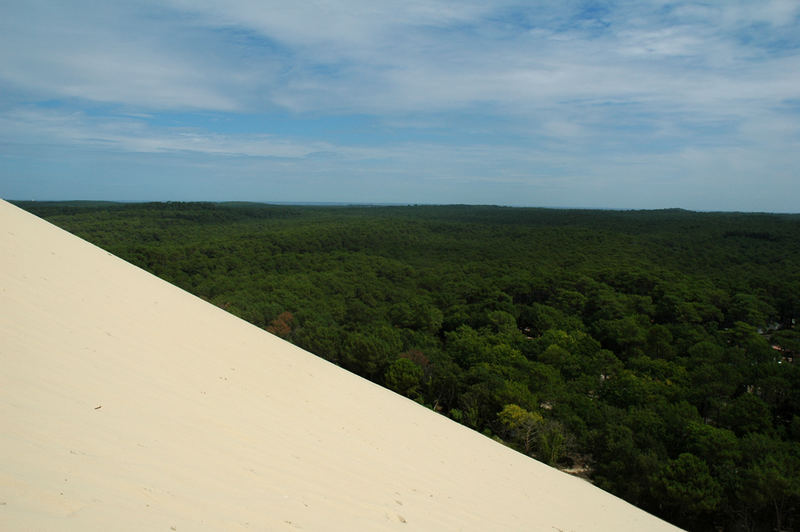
<point x="129" y="404"/>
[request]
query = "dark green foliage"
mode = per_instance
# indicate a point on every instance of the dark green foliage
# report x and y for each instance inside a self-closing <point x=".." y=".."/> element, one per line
<point x="654" y="350"/>
<point x="686" y="485"/>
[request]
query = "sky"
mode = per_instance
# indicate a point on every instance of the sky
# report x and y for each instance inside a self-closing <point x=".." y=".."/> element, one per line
<point x="618" y="104"/>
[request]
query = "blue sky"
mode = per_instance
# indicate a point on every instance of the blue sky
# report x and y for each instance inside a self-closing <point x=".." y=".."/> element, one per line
<point x="626" y="104"/>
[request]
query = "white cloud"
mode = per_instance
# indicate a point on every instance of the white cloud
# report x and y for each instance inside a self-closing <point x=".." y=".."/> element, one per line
<point x="104" y="53"/>
<point x="130" y="135"/>
<point x="363" y="57"/>
<point x="476" y="91"/>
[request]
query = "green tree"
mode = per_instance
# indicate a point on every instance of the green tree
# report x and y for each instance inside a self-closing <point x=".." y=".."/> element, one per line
<point x="770" y="483"/>
<point x="659" y="343"/>
<point x="403" y="376"/>
<point x="685" y="487"/>
<point x="521" y="425"/>
<point x="627" y="337"/>
<point x="369" y="353"/>
<point x="551" y="442"/>
<point x="751" y="310"/>
<point x="747" y="413"/>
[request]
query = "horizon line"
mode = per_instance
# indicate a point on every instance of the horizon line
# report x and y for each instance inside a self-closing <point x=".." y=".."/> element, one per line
<point x="406" y="204"/>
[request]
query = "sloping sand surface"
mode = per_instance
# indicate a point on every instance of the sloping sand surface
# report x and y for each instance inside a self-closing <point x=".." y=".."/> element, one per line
<point x="129" y="404"/>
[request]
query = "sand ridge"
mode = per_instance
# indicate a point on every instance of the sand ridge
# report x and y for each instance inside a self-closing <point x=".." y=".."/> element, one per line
<point x="129" y="404"/>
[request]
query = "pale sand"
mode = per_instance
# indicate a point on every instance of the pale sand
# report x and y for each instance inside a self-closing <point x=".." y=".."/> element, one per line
<point x="129" y="404"/>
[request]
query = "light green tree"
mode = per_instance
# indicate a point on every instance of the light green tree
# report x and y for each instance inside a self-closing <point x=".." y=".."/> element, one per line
<point x="521" y="425"/>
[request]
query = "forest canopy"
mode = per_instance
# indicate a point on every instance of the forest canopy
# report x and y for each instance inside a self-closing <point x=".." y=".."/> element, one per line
<point x="652" y="352"/>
